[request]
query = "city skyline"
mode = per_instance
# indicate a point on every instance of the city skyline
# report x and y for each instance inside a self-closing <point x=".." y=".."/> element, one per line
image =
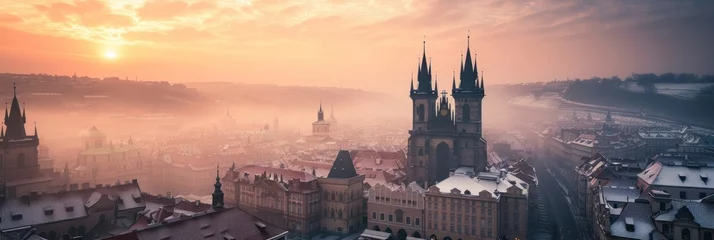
<point x="373" y="45"/>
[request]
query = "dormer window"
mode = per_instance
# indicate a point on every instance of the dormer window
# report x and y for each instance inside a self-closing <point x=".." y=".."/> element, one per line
<point x="16" y="216"/>
<point x="69" y="208"/>
<point x="630" y="224"/>
<point x="49" y="210"/>
<point x="704" y="177"/>
<point x="682" y="177"/>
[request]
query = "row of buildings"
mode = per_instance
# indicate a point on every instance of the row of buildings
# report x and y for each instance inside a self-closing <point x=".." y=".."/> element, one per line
<point x="668" y="198"/>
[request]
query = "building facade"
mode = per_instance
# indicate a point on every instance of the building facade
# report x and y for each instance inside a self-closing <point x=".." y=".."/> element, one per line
<point x="299" y="201"/>
<point x="443" y="139"/>
<point x="397" y="210"/>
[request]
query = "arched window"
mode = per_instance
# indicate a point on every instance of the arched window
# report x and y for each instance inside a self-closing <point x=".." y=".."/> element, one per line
<point x="400" y="215"/>
<point x="341" y="197"/>
<point x="333" y="196"/>
<point x="707" y="235"/>
<point x="339" y="214"/>
<point x="686" y="235"/>
<point x="420" y="112"/>
<point x="326" y="195"/>
<point x="21" y="160"/>
<point x="332" y="213"/>
<point x="466" y="113"/>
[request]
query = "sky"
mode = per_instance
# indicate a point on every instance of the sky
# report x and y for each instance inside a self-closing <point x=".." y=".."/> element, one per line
<point x="366" y="44"/>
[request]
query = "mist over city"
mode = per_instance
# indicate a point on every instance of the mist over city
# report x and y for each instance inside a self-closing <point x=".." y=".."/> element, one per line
<point x="349" y="120"/>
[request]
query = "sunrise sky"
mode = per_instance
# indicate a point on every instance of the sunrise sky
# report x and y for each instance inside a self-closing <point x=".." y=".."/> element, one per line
<point x="368" y="44"/>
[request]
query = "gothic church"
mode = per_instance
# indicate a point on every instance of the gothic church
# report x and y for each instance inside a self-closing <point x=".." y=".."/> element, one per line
<point x="445" y="137"/>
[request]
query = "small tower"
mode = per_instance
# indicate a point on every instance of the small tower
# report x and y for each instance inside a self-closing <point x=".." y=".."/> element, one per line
<point x="217" y="193"/>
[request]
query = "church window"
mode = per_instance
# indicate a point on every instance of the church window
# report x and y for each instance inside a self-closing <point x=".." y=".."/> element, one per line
<point x="420" y="112"/>
<point x="21" y="160"/>
<point x="466" y="114"/>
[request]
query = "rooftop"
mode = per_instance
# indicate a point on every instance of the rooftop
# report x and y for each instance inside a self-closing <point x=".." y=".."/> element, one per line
<point x="234" y="224"/>
<point x="490" y="182"/>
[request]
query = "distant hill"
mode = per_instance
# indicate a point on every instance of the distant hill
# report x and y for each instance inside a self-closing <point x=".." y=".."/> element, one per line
<point x="300" y="97"/>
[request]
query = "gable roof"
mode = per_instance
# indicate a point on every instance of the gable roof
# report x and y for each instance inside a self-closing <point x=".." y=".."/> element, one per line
<point x="343" y="166"/>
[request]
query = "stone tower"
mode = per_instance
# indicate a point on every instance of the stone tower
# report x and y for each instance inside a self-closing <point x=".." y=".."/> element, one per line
<point x="446" y="137"/>
<point x="343" y="204"/>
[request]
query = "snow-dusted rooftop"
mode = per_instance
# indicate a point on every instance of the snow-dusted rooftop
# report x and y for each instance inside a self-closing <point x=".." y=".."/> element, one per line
<point x="659" y="174"/>
<point x="485" y="181"/>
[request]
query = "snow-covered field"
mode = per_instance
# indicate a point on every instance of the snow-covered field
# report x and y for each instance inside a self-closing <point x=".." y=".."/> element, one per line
<point x="677" y="90"/>
<point x="543" y="102"/>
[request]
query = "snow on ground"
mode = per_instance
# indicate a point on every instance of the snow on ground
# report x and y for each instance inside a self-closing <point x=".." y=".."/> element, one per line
<point x="681" y="90"/>
<point x="677" y="90"/>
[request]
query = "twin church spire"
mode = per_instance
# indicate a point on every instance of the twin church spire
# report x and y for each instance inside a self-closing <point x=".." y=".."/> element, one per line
<point x="468" y="75"/>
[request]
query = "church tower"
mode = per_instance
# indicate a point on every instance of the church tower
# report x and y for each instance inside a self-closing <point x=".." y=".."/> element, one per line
<point x="19" y="165"/>
<point x="469" y="125"/>
<point x="321" y="127"/>
<point x="217" y="195"/>
<point x="445" y="137"/>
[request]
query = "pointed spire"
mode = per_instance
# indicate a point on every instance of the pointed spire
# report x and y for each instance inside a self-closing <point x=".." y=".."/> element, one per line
<point x="453" y="83"/>
<point x="436" y="83"/>
<point x="429" y="66"/>
<point x="482" y="80"/>
<point x="412" y="84"/>
<point x="313" y="172"/>
<point x="217" y="192"/>
<point x="2" y="130"/>
<point x="36" y="136"/>
<point x="131" y="141"/>
<point x="476" y="68"/>
<point x="6" y="115"/>
<point x="14" y="119"/>
<point x="462" y="64"/>
<point x="24" y="116"/>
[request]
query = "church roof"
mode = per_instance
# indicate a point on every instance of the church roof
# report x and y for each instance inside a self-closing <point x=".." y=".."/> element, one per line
<point x="343" y="166"/>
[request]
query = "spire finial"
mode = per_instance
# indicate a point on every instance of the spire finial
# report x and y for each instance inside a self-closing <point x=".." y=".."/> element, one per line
<point x="14" y="89"/>
<point x="35" y="129"/>
<point x="218" y="166"/>
<point x="468" y="38"/>
<point x="424" y="44"/>
<point x="2" y="130"/>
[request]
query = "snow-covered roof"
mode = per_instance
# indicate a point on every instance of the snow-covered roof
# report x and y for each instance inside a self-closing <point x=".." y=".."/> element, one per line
<point x="490" y="182"/>
<point x="635" y="222"/>
<point x="701" y="211"/>
<point x="659" y="174"/>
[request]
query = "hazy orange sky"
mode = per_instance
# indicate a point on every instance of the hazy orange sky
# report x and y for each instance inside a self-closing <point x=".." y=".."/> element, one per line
<point x="369" y="44"/>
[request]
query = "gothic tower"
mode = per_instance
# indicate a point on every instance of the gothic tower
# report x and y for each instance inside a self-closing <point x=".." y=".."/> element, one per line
<point x="444" y="138"/>
<point x="19" y="166"/>
<point x="469" y="125"/>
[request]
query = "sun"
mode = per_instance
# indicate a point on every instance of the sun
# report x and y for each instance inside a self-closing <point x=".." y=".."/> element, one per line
<point x="110" y="54"/>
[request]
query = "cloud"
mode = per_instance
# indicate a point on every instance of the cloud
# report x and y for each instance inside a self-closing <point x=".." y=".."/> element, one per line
<point x="90" y="13"/>
<point x="186" y="34"/>
<point x="157" y="10"/>
<point x="9" y="18"/>
<point x="369" y="41"/>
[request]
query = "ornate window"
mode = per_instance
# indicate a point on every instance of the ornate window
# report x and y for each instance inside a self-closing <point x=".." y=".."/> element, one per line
<point x="400" y="215"/>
